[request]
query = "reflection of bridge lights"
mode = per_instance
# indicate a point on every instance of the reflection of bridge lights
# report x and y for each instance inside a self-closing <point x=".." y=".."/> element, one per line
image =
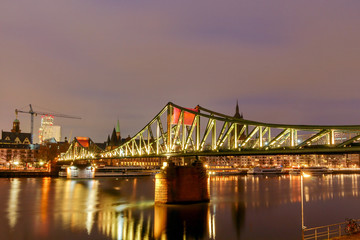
<point x="305" y="174"/>
<point x="91" y="205"/>
<point x="211" y="223"/>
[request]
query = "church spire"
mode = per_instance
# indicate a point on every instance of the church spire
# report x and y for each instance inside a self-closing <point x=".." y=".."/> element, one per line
<point x="118" y="135"/>
<point x="237" y="112"/>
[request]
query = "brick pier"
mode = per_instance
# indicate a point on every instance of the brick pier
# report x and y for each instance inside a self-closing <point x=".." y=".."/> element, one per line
<point x="182" y="184"/>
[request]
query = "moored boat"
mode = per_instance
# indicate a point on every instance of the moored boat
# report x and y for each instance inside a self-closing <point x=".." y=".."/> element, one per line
<point x="294" y="170"/>
<point x="260" y="170"/>
<point x="316" y="170"/>
<point x="228" y="172"/>
<point x="123" y="171"/>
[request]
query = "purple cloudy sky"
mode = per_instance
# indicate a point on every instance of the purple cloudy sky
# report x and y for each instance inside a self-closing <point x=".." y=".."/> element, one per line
<point x="285" y="61"/>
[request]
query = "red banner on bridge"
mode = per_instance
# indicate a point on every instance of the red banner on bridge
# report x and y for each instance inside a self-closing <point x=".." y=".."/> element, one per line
<point x="84" y="141"/>
<point x="188" y="117"/>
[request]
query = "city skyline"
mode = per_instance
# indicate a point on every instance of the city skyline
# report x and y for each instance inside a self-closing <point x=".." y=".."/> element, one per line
<point x="285" y="62"/>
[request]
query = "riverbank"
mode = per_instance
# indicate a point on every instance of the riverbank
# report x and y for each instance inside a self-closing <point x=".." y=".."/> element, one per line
<point x="346" y="171"/>
<point x="16" y="174"/>
<point x="43" y="173"/>
<point x="348" y="237"/>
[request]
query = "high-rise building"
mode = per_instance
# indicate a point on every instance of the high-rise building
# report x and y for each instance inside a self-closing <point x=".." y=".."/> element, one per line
<point x="48" y="130"/>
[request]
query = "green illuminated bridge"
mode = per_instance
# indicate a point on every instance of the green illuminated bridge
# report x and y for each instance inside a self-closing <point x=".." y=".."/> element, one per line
<point x="179" y="131"/>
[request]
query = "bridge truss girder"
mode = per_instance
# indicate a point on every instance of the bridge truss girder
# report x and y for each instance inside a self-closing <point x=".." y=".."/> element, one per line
<point x="201" y="131"/>
<point x="77" y="151"/>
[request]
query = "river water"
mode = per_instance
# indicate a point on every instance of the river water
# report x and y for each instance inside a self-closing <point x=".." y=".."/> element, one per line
<point x="241" y="207"/>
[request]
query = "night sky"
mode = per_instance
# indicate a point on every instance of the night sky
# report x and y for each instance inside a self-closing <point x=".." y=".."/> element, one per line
<point x="295" y="62"/>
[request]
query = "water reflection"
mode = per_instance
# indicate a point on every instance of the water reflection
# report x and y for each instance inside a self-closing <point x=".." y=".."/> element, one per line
<point x="41" y="225"/>
<point x="91" y="204"/>
<point x="211" y="224"/>
<point x="13" y="202"/>
<point x="181" y="221"/>
<point x="111" y="208"/>
<point x="270" y="191"/>
<point x="238" y="217"/>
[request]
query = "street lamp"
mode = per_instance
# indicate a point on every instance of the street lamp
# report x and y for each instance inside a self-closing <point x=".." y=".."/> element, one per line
<point x="302" y="175"/>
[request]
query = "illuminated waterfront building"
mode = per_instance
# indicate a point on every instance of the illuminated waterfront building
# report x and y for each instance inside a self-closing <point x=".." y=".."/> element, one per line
<point x="331" y="160"/>
<point x="16" y="146"/>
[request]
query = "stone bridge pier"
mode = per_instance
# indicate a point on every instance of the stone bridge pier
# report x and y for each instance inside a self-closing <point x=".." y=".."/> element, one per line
<point x="80" y="171"/>
<point x="182" y="184"/>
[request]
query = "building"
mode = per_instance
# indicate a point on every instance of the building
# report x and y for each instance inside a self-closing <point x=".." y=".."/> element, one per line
<point x="240" y="132"/>
<point x="15" y="136"/>
<point x="16" y="147"/>
<point x="115" y="140"/>
<point x="328" y="160"/>
<point x="17" y="153"/>
<point x="48" y="130"/>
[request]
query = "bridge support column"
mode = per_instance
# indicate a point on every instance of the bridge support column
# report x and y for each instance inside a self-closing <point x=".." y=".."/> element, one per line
<point x="80" y="171"/>
<point x="182" y="184"/>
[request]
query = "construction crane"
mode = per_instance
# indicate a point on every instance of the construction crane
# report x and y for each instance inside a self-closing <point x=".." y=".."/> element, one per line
<point x="32" y="113"/>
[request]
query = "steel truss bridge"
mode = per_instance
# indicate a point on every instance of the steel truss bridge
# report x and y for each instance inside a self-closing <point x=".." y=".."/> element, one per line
<point x="179" y="131"/>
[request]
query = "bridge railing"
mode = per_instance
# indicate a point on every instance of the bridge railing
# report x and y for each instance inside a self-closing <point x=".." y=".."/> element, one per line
<point x="327" y="231"/>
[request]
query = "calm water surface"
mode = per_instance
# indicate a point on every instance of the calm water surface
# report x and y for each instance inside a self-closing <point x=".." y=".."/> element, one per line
<point x="241" y="207"/>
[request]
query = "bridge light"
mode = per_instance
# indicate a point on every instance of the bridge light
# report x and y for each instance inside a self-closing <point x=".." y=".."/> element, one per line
<point x="165" y="164"/>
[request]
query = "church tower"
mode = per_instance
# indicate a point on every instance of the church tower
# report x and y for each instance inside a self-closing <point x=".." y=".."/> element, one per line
<point x="237" y="113"/>
<point x="239" y="127"/>
<point x="115" y="139"/>
<point x="118" y="135"/>
<point x="16" y="126"/>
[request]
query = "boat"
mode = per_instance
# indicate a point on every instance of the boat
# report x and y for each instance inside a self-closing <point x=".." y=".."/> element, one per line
<point x="227" y="172"/>
<point x="123" y="172"/>
<point x="315" y="170"/>
<point x="265" y="171"/>
<point x="294" y="170"/>
<point x="220" y="170"/>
